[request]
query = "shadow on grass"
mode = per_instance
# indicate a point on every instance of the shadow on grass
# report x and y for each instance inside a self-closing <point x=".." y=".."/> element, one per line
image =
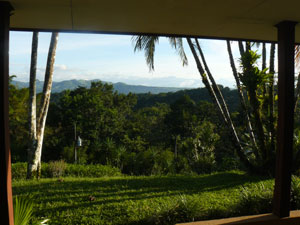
<point x="137" y="186"/>
<point x="73" y="193"/>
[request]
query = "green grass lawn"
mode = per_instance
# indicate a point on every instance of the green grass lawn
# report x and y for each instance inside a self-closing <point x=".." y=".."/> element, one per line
<point x="137" y="200"/>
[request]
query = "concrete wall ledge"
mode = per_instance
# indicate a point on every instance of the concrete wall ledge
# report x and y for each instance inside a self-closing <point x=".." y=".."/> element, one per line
<point x="263" y="219"/>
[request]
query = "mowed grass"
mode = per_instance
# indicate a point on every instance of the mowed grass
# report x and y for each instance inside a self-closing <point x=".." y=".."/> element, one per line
<point x="134" y="200"/>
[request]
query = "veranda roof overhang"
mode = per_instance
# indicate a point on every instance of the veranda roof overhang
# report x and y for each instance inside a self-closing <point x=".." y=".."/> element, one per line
<point x="230" y="19"/>
<point x="217" y="19"/>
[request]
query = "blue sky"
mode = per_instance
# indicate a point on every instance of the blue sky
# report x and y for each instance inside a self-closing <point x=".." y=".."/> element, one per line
<point x="111" y="58"/>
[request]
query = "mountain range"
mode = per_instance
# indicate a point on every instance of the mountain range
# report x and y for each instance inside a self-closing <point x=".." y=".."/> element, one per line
<point x="119" y="87"/>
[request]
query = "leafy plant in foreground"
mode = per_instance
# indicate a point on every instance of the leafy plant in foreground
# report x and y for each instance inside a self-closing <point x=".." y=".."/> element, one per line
<point x="23" y="209"/>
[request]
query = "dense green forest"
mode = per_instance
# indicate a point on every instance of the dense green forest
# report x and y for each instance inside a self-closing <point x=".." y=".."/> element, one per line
<point x="146" y="134"/>
<point x="197" y="94"/>
<point x="140" y="134"/>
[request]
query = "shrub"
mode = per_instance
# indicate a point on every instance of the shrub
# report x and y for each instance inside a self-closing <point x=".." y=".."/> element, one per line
<point x="145" y="161"/>
<point x="91" y="170"/>
<point x="259" y="199"/>
<point x="295" y="193"/>
<point x="255" y="200"/>
<point x="204" y="165"/>
<point x="68" y="154"/>
<point x="19" y="170"/>
<point x="57" y="168"/>
<point x="181" y="210"/>
<point x="129" y="163"/>
<point x="54" y="169"/>
<point x="182" y="165"/>
<point x="164" y="163"/>
<point x="229" y="163"/>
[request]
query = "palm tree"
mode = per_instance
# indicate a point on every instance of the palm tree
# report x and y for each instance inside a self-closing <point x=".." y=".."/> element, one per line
<point x="259" y="114"/>
<point x="241" y="93"/>
<point x="218" y="98"/>
<point x="147" y="43"/>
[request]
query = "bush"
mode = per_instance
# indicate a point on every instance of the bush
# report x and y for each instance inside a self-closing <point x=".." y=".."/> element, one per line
<point x="259" y="199"/>
<point x="129" y="163"/>
<point x="19" y="170"/>
<point x="181" y="210"/>
<point x="295" y="193"/>
<point x="204" y="165"/>
<point x="68" y="154"/>
<point x="229" y="163"/>
<point x="57" y="168"/>
<point x="164" y="163"/>
<point x="97" y="170"/>
<point x="255" y="201"/>
<point x="182" y="165"/>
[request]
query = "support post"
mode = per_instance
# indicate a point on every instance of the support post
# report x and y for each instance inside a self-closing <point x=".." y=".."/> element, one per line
<point x="75" y="142"/>
<point x="6" y="203"/>
<point x="285" y="127"/>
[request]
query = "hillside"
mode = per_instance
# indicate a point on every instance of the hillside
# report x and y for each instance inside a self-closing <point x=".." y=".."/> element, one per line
<point x="119" y="87"/>
<point x="147" y="96"/>
<point x="198" y="94"/>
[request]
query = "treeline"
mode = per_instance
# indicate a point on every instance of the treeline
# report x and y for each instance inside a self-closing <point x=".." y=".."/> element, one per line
<point x="197" y="94"/>
<point x="174" y="135"/>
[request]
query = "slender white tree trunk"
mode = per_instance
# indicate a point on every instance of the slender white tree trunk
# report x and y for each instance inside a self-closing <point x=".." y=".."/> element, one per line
<point x="34" y="165"/>
<point x="32" y="105"/>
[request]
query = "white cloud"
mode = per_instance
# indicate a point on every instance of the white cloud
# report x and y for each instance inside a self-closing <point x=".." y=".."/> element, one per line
<point x="189" y="83"/>
<point x="81" y="41"/>
<point x="60" y="67"/>
<point x="111" y="57"/>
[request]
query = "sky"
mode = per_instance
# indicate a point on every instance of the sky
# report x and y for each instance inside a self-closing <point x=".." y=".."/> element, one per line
<point x="112" y="58"/>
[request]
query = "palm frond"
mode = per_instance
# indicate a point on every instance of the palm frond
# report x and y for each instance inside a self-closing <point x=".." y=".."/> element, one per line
<point x="23" y="208"/>
<point x="146" y="43"/>
<point x="177" y="44"/>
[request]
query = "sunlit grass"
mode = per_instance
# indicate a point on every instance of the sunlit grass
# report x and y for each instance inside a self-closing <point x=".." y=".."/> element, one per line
<point x="134" y="200"/>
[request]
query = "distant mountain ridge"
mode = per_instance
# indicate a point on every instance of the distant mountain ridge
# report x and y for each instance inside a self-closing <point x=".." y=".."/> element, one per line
<point x="119" y="87"/>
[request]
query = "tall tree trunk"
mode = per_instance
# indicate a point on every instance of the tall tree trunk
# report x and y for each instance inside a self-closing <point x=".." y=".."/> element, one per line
<point x="36" y="165"/>
<point x="242" y="98"/>
<point x="241" y="48"/>
<point x="264" y="64"/>
<point x="239" y="148"/>
<point x="252" y="92"/>
<point x="258" y="122"/>
<point x="248" y="46"/>
<point x="219" y="95"/>
<point x="214" y="84"/>
<point x="205" y="81"/>
<point x="32" y="104"/>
